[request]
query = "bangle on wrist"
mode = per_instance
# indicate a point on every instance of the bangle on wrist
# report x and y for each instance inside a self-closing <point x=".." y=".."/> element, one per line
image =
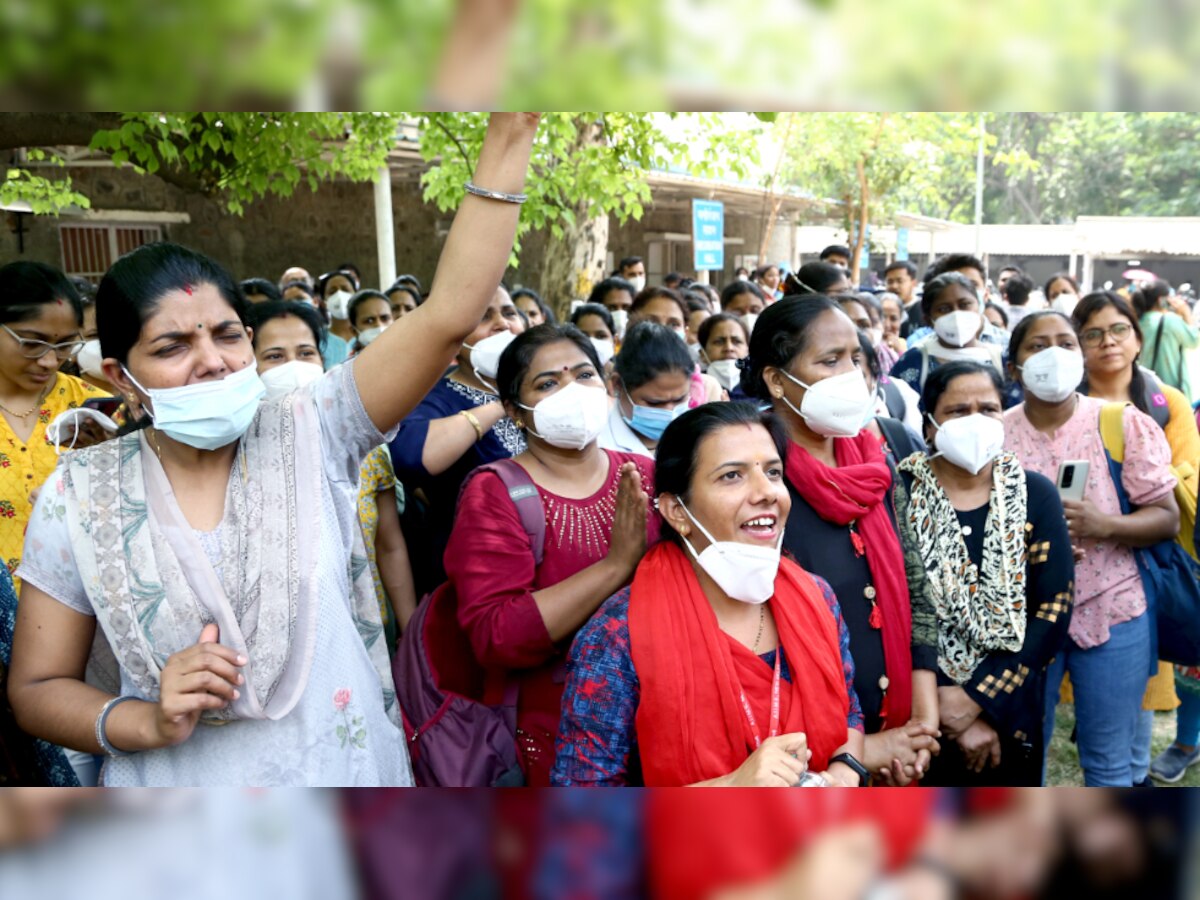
<point x="470" y="417"/>
<point x="487" y="194"/>
<point x="101" y="727"/>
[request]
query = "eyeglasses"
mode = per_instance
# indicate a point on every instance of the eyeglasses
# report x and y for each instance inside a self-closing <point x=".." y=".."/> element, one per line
<point x="32" y="349"/>
<point x="1094" y="337"/>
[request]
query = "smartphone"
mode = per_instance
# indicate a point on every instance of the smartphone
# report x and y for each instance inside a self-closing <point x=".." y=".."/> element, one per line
<point x="1072" y="478"/>
<point x="106" y="405"/>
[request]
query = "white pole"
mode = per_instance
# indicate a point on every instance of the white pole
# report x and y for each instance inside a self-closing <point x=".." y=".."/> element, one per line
<point x="979" y="190"/>
<point x="385" y="240"/>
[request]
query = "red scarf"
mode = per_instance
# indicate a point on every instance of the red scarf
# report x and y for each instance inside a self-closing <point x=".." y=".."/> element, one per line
<point x="857" y="491"/>
<point x="691" y="725"/>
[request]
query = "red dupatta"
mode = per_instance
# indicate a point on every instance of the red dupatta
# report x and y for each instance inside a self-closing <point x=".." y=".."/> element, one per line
<point x="691" y="725"/>
<point x="856" y="492"/>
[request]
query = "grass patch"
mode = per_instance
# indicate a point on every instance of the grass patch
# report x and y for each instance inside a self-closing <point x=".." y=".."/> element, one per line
<point x="1062" y="767"/>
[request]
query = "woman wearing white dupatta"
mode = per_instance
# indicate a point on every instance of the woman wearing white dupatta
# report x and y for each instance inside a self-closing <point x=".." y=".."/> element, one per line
<point x="218" y="550"/>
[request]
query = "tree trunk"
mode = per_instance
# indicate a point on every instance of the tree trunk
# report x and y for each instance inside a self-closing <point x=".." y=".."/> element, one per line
<point x="574" y="263"/>
<point x="864" y="197"/>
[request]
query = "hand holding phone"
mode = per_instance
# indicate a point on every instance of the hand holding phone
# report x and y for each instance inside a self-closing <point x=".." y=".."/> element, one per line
<point x="1072" y="478"/>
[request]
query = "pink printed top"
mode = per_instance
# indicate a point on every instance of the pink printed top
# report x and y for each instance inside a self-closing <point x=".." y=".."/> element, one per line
<point x="1108" y="589"/>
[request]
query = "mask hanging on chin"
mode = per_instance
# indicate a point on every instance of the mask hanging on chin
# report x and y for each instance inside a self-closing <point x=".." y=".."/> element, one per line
<point x="745" y="572"/>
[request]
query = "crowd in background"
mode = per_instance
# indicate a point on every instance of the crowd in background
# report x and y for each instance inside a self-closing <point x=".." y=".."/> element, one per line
<point x="782" y="532"/>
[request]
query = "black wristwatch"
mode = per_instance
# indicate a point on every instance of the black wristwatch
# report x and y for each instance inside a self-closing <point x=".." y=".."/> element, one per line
<point x="859" y="769"/>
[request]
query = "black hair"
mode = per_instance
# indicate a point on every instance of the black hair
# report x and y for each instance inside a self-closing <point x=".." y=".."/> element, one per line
<point x="939" y="378"/>
<point x="1064" y="276"/>
<point x="85" y="289"/>
<point x="135" y="284"/>
<point x="998" y="310"/>
<point x="679" y="448"/>
<point x="696" y="302"/>
<point x="869" y="357"/>
<point x="301" y="285"/>
<point x="815" y="278"/>
<point x="260" y="314"/>
<point x="741" y="269"/>
<point x="1016" y="269"/>
<point x="362" y="297"/>
<point x="607" y="286"/>
<point x="843" y="299"/>
<point x="1017" y="289"/>
<point x="906" y="264"/>
<point x="935" y="286"/>
<point x="627" y="262"/>
<point x="351" y="267"/>
<point x="1094" y="303"/>
<point x="25" y="287"/>
<point x="329" y="276"/>
<point x="707" y="326"/>
<point x="547" y="312"/>
<point x="871" y="302"/>
<point x="763" y="270"/>
<point x="408" y="279"/>
<point x="650" y="294"/>
<point x="835" y="250"/>
<point x="518" y="356"/>
<point x="672" y="278"/>
<point x="595" y="309"/>
<point x="952" y="262"/>
<point x="1148" y="297"/>
<point x="268" y="289"/>
<point x="737" y="288"/>
<point x="779" y="334"/>
<point x="647" y="351"/>
<point x="710" y="293"/>
<point x="1022" y="329"/>
<point x="406" y="287"/>
<point x="685" y="283"/>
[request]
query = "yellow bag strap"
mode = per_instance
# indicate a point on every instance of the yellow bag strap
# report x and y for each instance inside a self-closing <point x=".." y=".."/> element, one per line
<point x="1112" y="430"/>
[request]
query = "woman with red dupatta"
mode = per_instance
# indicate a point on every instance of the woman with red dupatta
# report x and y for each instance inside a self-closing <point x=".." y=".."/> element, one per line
<point x="805" y="359"/>
<point x="722" y="664"/>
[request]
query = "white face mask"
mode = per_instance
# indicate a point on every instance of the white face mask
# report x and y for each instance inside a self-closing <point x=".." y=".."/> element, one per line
<point x="1052" y="375"/>
<point x="69" y="421"/>
<point x="572" y="417"/>
<point x="605" y="349"/>
<point x="338" y="304"/>
<point x="694" y="353"/>
<point x="485" y="356"/>
<point x="969" y="442"/>
<point x="209" y="414"/>
<point x="876" y="336"/>
<point x="365" y="337"/>
<point x="291" y="376"/>
<point x="836" y="406"/>
<point x="749" y="319"/>
<point x="89" y="359"/>
<point x="726" y="372"/>
<point x="1065" y="304"/>
<point x="745" y="572"/>
<point x="638" y="282"/>
<point x="620" y="321"/>
<point x="958" y="328"/>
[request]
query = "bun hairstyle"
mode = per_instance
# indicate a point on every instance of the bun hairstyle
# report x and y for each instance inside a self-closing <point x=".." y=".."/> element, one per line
<point x="780" y="333"/>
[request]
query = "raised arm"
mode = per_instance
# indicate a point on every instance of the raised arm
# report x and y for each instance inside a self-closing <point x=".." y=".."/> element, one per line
<point x="400" y="367"/>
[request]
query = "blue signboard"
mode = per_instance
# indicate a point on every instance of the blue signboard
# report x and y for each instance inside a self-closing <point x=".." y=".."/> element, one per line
<point x="901" y="244"/>
<point x="708" y="235"/>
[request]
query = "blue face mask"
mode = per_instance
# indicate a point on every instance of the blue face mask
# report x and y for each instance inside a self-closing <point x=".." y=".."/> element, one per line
<point x="208" y="414"/>
<point x="650" y="422"/>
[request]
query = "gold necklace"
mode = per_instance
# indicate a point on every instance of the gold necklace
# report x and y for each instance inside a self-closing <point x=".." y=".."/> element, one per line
<point x="36" y="406"/>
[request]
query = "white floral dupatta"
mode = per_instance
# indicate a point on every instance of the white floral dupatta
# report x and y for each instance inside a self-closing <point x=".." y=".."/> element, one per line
<point x="153" y="588"/>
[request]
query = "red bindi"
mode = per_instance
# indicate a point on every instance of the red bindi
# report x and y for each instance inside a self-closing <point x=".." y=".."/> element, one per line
<point x="188" y="288"/>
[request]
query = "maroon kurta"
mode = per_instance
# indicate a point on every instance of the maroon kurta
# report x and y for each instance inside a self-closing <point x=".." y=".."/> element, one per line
<point x="489" y="561"/>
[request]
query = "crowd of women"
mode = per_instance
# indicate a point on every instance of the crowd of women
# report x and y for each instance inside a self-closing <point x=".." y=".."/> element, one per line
<point x="782" y="534"/>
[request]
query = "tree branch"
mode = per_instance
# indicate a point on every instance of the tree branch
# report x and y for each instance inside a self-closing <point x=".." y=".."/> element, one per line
<point x="457" y="143"/>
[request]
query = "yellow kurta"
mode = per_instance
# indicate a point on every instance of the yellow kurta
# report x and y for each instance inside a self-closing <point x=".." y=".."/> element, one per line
<point x="24" y="467"/>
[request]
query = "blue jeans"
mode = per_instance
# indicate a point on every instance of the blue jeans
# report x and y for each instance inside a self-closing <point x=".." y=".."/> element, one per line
<point x="1187" y="719"/>
<point x="1141" y="745"/>
<point x="1109" y="682"/>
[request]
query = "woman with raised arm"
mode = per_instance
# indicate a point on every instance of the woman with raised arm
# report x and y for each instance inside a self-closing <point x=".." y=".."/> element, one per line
<point x="217" y="549"/>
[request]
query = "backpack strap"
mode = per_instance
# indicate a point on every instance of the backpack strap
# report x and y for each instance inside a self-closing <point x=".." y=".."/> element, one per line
<point x="898" y="437"/>
<point x="1155" y="399"/>
<point x="525" y="497"/>
<point x="1112" y="430"/>
<point x="892" y="398"/>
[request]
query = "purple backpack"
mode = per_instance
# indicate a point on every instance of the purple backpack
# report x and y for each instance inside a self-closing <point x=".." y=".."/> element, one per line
<point x="455" y="740"/>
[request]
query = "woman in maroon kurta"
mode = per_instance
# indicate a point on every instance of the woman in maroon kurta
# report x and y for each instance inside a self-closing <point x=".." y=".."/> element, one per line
<point x="521" y="617"/>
